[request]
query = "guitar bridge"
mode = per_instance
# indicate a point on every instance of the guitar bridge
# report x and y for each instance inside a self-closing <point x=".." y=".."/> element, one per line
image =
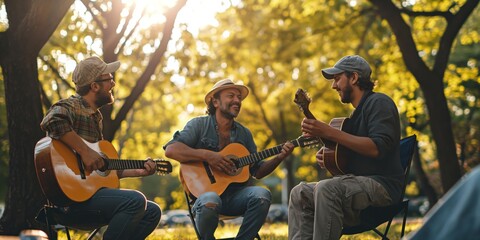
<point x="80" y="166"/>
<point x="209" y="173"/>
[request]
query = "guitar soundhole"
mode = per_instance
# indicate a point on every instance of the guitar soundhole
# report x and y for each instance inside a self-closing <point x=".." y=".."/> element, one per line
<point x="102" y="173"/>
<point x="238" y="171"/>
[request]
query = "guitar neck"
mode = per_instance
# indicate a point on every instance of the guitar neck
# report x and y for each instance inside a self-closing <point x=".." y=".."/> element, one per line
<point x="308" y="114"/>
<point x="255" y="157"/>
<point x="120" y="164"/>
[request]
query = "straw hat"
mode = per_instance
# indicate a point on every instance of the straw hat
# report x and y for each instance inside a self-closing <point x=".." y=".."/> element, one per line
<point x="225" y="84"/>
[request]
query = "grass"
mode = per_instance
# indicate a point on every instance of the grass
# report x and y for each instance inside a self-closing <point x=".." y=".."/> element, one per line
<point x="275" y="231"/>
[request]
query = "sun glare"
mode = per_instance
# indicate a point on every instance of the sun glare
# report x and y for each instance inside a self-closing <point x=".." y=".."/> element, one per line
<point x="195" y="14"/>
<point x="201" y="13"/>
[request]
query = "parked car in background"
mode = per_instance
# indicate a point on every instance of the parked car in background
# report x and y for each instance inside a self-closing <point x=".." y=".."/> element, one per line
<point x="277" y="213"/>
<point x="175" y="217"/>
<point x="418" y="206"/>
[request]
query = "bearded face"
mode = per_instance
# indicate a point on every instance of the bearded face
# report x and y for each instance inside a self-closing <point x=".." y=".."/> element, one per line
<point x="229" y="103"/>
<point x="342" y="84"/>
<point x="104" y="95"/>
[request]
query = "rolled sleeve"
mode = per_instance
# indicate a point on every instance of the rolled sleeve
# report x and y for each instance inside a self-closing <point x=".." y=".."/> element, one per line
<point x="188" y="135"/>
<point x="57" y="122"/>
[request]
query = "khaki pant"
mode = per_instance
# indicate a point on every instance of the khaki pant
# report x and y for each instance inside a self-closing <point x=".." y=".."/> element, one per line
<point x="319" y="210"/>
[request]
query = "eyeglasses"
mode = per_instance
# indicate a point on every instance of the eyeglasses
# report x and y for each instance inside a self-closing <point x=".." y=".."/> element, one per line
<point x="104" y="80"/>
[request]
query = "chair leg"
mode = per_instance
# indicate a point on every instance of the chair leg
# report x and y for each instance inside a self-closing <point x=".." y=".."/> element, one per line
<point x="194" y="224"/>
<point x="47" y="221"/>
<point x="92" y="234"/>
<point x="67" y="232"/>
<point x="384" y="236"/>
<point x="405" y="212"/>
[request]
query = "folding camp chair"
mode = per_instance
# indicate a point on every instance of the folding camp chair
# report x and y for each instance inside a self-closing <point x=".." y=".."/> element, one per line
<point x="55" y="220"/>
<point x="372" y="217"/>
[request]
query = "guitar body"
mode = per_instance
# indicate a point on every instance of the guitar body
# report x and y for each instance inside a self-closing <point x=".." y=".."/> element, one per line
<point x="197" y="180"/>
<point x="335" y="156"/>
<point x="59" y="174"/>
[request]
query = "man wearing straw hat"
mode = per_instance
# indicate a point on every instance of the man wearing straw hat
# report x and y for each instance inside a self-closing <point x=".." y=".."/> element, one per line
<point x="201" y="140"/>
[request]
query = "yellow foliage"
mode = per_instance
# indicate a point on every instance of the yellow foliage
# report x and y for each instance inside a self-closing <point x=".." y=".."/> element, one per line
<point x="412" y="189"/>
<point x="130" y="183"/>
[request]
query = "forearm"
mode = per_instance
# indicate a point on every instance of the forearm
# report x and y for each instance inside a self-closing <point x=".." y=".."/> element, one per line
<point x="131" y="173"/>
<point x="267" y="167"/>
<point x="74" y="141"/>
<point x="362" y="145"/>
<point x="183" y="153"/>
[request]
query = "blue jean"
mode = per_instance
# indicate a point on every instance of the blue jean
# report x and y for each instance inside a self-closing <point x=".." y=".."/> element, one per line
<point x="252" y="202"/>
<point x="456" y="215"/>
<point x="127" y="213"/>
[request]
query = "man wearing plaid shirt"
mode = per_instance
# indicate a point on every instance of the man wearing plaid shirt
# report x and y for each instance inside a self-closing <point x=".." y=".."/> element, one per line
<point x="127" y="213"/>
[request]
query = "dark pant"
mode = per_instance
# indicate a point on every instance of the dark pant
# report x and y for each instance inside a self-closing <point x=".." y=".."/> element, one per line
<point x="127" y="213"/>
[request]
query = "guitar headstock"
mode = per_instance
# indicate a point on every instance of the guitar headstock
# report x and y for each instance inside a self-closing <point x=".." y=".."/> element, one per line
<point x="302" y="99"/>
<point x="304" y="141"/>
<point x="162" y="166"/>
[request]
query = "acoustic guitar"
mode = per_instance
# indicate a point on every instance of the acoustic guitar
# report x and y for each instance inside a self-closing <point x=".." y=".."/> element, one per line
<point x="197" y="177"/>
<point x="335" y="156"/>
<point x="63" y="178"/>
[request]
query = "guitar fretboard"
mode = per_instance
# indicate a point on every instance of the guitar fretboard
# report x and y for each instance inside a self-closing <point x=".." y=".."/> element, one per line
<point x="120" y="164"/>
<point x="161" y="166"/>
<point x="255" y="157"/>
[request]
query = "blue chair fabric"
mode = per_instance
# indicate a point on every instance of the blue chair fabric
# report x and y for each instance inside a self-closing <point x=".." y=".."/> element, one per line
<point x="372" y="217"/>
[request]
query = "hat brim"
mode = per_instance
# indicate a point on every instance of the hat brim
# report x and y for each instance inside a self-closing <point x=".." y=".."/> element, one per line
<point x="243" y="91"/>
<point x="329" y="72"/>
<point x="111" y="67"/>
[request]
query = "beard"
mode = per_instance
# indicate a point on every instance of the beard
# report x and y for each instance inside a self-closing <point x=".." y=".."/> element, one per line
<point x="225" y="111"/>
<point x="346" y="96"/>
<point x="103" y="98"/>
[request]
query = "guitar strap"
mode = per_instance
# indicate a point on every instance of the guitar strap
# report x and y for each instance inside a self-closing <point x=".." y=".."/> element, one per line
<point x="351" y="126"/>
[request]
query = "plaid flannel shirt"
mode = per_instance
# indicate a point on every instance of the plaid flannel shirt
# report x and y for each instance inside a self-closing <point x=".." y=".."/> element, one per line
<point x="73" y="114"/>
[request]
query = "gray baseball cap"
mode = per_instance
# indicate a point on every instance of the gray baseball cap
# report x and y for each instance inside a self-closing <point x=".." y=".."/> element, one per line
<point x="352" y="63"/>
<point x="89" y="69"/>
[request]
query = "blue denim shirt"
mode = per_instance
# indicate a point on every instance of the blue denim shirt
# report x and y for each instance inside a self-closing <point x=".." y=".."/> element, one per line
<point x="201" y="133"/>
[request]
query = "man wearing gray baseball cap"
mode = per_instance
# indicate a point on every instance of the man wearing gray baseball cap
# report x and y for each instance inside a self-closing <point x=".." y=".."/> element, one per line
<point x="373" y="175"/>
<point x="77" y="123"/>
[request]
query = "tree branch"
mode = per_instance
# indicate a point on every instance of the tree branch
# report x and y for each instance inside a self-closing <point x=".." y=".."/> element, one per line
<point x="453" y="27"/>
<point x="446" y="14"/>
<point x="122" y="45"/>
<point x="155" y="59"/>
<point x="87" y="3"/>
<point x="388" y="11"/>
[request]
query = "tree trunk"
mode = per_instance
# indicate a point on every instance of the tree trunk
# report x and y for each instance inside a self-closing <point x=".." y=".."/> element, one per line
<point x="431" y="80"/>
<point x="425" y="185"/>
<point x="31" y="23"/>
<point x="24" y="196"/>
<point x="440" y="121"/>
